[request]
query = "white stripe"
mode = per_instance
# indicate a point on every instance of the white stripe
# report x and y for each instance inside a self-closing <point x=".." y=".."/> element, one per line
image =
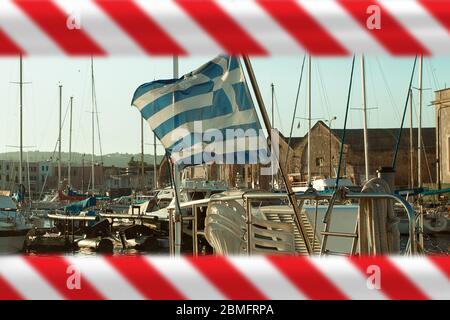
<point x="20" y="28"/>
<point x="344" y="275"/>
<point x="260" y="25"/>
<point x="425" y="275"/>
<point x="332" y="17"/>
<point x="102" y="276"/>
<point x="183" y="276"/>
<point x="419" y="23"/>
<point x="180" y="26"/>
<point x="264" y="276"/>
<point x="188" y="104"/>
<point x="221" y="148"/>
<point x="225" y="121"/>
<point x="27" y="281"/>
<point x="102" y="29"/>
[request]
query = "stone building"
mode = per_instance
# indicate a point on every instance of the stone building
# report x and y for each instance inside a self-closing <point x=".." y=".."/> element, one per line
<point x="326" y="146"/>
<point x="442" y="104"/>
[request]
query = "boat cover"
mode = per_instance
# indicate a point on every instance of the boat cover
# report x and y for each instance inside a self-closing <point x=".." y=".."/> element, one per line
<point x="76" y="207"/>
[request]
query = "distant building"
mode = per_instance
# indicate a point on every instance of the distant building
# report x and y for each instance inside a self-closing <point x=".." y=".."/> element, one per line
<point x="442" y="104"/>
<point x="326" y="148"/>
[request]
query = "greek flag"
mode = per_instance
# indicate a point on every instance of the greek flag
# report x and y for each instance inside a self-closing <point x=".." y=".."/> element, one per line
<point x="206" y="116"/>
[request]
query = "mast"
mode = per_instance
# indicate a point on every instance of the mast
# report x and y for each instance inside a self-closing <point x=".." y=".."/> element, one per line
<point x="419" y="131"/>
<point x="92" y="127"/>
<point x="59" y="137"/>
<point x="309" y="122"/>
<point x="21" y="119"/>
<point x="273" y="126"/>
<point x="142" y="154"/>
<point x="69" y="164"/>
<point x="287" y="183"/>
<point x="82" y="173"/>
<point x="366" y="138"/>
<point x="411" y="143"/>
<point x="176" y="180"/>
<point x="155" y="170"/>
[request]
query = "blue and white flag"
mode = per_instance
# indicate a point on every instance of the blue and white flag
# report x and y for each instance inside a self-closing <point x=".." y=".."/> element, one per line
<point x="205" y="116"/>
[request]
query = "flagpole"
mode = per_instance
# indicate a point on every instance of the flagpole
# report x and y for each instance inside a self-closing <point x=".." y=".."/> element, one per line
<point x="290" y="193"/>
<point x="176" y="183"/>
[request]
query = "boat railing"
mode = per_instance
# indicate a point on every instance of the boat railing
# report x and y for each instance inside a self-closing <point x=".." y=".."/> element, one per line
<point x="251" y="197"/>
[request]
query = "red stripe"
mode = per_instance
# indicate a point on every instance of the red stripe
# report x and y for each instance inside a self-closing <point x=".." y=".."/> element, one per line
<point x="145" y="278"/>
<point x="7" y="292"/>
<point x="305" y="276"/>
<point x="7" y="46"/>
<point x="140" y="26"/>
<point x="221" y="27"/>
<point x="392" y="35"/>
<point x="443" y="264"/>
<point x="52" y="20"/>
<point x="439" y="9"/>
<point x="56" y="271"/>
<point x="394" y="283"/>
<point x="292" y="17"/>
<point x="226" y="278"/>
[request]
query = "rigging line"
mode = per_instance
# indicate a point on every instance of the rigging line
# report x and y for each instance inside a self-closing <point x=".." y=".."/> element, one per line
<point x="373" y="91"/>
<point x="295" y="111"/>
<point x="424" y="149"/>
<point x="54" y="150"/>
<point x="341" y="153"/>
<point x="432" y="71"/>
<point x="278" y="111"/>
<point x="98" y="123"/>
<point x="394" y="159"/>
<point x="388" y="88"/>
<point x="323" y="90"/>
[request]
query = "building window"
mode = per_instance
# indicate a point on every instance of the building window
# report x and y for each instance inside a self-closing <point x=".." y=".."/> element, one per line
<point x="7" y="178"/>
<point x="319" y="162"/>
<point x="7" y="167"/>
<point x="42" y="168"/>
<point x="46" y="168"/>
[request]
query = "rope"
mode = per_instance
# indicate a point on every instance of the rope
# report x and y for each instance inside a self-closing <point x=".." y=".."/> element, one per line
<point x="377" y="222"/>
<point x="394" y="159"/>
<point x="295" y="111"/>
<point x="341" y="153"/>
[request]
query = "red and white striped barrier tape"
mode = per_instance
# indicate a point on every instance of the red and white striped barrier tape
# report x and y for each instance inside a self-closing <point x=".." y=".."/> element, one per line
<point x="257" y="27"/>
<point x="211" y="278"/>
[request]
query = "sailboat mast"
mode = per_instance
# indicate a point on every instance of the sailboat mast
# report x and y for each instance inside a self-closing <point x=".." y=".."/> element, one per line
<point x="59" y="137"/>
<point x="411" y="143"/>
<point x="142" y="154"/>
<point x="69" y="165"/>
<point x="273" y="127"/>
<point x="309" y="122"/>
<point x="155" y="170"/>
<point x="92" y="126"/>
<point x="366" y="138"/>
<point x="419" y="131"/>
<point x="21" y="119"/>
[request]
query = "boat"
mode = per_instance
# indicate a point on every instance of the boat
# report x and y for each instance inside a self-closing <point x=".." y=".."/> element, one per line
<point x="13" y="227"/>
<point x="71" y="196"/>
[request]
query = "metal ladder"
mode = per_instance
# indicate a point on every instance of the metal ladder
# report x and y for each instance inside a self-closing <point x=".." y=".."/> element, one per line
<point x="327" y="233"/>
<point x="285" y="214"/>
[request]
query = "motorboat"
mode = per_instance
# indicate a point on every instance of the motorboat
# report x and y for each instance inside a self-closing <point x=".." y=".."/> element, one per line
<point x="13" y="227"/>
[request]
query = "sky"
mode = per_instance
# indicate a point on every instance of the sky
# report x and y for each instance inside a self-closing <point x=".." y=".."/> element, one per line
<point x="117" y="78"/>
